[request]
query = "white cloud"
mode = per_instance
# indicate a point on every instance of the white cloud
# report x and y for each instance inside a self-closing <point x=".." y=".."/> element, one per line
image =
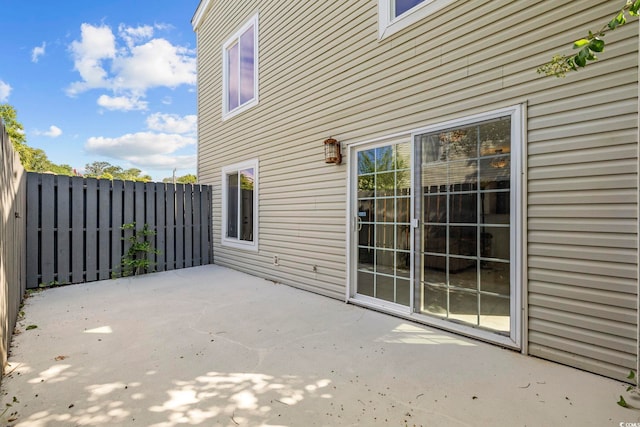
<point x="138" y="145"/>
<point x="53" y="132"/>
<point x="133" y="35"/>
<point x="122" y="103"/>
<point x="155" y="63"/>
<point x="162" y="161"/>
<point x="172" y="123"/>
<point x="5" y="90"/>
<point x="168" y="144"/>
<point x="37" y="52"/>
<point x="163" y="27"/>
<point x="96" y="45"/>
<point x="130" y="64"/>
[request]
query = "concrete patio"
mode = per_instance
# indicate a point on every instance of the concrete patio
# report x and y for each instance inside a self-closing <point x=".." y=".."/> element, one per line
<point x="210" y="346"/>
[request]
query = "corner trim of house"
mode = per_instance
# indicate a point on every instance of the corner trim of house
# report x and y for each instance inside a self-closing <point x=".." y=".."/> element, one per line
<point x="200" y="13"/>
<point x="524" y="267"/>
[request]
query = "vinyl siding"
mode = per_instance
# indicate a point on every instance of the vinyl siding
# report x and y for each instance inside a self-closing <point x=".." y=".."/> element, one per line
<point x="323" y="72"/>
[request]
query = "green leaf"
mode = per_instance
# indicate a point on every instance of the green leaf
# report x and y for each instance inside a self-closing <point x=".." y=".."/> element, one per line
<point x="31" y="327"/>
<point x="630" y="388"/>
<point x="582" y="57"/>
<point x="619" y="19"/>
<point x="622" y="402"/>
<point x="631" y="375"/>
<point x="633" y="10"/>
<point x="596" y="45"/>
<point x="580" y="43"/>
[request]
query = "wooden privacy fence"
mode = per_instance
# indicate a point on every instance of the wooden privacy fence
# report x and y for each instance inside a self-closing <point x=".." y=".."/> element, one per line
<point x="74" y="225"/>
<point x="13" y="196"/>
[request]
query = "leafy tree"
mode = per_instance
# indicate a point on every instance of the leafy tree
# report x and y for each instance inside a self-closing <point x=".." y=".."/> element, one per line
<point x="15" y="130"/>
<point x="32" y="159"/>
<point x="108" y="171"/>
<point x="185" y="179"/>
<point x="95" y="169"/>
<point x="589" y="46"/>
<point x="62" y="169"/>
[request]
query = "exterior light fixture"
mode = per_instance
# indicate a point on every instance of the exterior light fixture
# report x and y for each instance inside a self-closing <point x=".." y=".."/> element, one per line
<point x="332" y="151"/>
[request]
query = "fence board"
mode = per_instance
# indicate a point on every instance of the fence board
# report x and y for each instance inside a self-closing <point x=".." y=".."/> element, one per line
<point x="63" y="226"/>
<point x="205" y="234"/>
<point x="197" y="260"/>
<point x="150" y="218"/>
<point x="77" y="229"/>
<point x="138" y="210"/>
<point x="13" y="239"/>
<point x="180" y="226"/>
<point x="47" y="230"/>
<point x="170" y="219"/>
<point x="161" y="227"/>
<point x="104" y="237"/>
<point x="33" y="227"/>
<point x="91" y="230"/>
<point x="129" y="189"/>
<point x="188" y="225"/>
<point x="116" y="222"/>
<point x="74" y="226"/>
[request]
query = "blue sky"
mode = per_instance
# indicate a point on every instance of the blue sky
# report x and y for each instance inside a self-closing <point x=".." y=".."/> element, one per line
<point x="105" y="80"/>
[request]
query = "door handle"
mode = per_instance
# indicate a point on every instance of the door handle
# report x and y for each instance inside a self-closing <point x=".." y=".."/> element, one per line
<point x="359" y="223"/>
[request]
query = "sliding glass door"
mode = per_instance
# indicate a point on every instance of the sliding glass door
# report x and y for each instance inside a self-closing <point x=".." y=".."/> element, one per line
<point x="465" y="244"/>
<point x="436" y="225"/>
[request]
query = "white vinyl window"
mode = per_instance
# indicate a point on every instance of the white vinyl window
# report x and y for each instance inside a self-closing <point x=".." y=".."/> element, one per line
<point x="394" y="15"/>
<point x="240" y="205"/>
<point x="240" y="70"/>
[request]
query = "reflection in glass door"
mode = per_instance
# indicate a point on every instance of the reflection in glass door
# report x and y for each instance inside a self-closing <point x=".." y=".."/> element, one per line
<point x="383" y="223"/>
<point x="465" y="251"/>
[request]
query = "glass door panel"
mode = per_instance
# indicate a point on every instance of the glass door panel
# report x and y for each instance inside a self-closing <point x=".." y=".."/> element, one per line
<point x="464" y="254"/>
<point x="384" y="223"/>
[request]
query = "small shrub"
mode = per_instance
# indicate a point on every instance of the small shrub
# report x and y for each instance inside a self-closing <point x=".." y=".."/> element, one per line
<point x="136" y="260"/>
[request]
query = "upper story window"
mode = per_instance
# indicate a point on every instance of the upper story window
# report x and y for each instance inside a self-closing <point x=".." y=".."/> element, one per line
<point x="402" y="6"/>
<point x="240" y="70"/>
<point x="394" y="15"/>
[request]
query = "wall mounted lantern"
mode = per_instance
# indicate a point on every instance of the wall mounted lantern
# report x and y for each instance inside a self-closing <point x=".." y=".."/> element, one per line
<point x="332" y="151"/>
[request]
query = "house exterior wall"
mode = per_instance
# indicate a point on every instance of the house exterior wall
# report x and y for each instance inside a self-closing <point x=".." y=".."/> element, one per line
<point x="323" y="72"/>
